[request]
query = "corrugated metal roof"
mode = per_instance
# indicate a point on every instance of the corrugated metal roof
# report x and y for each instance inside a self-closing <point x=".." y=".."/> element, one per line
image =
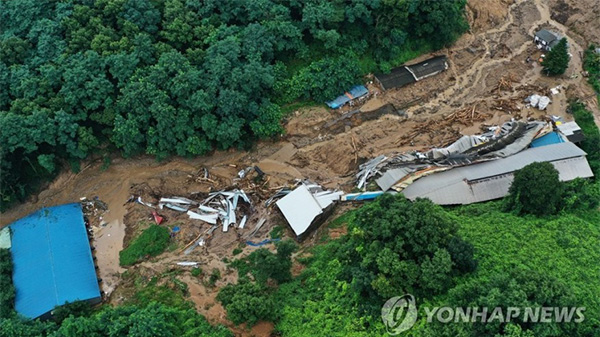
<point x="568" y="128"/>
<point x="520" y="143"/>
<point x="5" y="238"/>
<point x="547" y="35"/>
<point x="491" y="180"/>
<point x="299" y="208"/>
<point x="522" y="159"/>
<point x="548" y="139"/>
<point x="355" y="92"/>
<point x="397" y="78"/>
<point x="428" y="67"/>
<point x="407" y="74"/>
<point x="52" y="260"/>
<point x="391" y="177"/>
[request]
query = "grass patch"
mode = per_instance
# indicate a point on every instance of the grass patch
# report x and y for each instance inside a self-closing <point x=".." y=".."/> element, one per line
<point x="288" y="109"/>
<point x="343" y="219"/>
<point x="565" y="247"/>
<point x="591" y="142"/>
<point x="170" y="292"/>
<point x="276" y="232"/>
<point x="152" y="242"/>
<point x="591" y="63"/>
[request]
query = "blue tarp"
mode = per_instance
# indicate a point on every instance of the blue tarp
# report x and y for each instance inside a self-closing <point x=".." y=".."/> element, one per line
<point x="355" y="92"/>
<point x="52" y="260"/>
<point x="262" y="243"/>
<point x="549" y="139"/>
<point x="361" y="196"/>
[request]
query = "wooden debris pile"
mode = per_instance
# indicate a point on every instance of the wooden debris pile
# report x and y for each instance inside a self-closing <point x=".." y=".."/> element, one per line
<point x="467" y="116"/>
<point x="509" y="106"/>
<point x="442" y="131"/>
<point x="505" y="83"/>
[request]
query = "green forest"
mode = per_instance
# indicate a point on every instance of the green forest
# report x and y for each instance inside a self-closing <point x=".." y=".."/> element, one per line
<point x="91" y="79"/>
<point x="88" y="78"/>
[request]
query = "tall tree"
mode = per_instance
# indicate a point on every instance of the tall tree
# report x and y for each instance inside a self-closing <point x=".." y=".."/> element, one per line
<point x="557" y="59"/>
<point x="535" y="190"/>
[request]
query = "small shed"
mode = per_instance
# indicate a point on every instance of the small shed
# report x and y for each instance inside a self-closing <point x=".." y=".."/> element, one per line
<point x="571" y="130"/>
<point x="545" y="39"/>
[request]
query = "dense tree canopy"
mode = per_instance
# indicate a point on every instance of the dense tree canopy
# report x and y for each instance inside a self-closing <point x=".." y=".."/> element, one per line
<point x="397" y="246"/>
<point x="179" y="77"/>
<point x="152" y="320"/>
<point x="7" y="289"/>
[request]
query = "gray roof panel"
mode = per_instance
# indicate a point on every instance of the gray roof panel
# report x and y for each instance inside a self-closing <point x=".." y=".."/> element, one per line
<point x="491" y="180"/>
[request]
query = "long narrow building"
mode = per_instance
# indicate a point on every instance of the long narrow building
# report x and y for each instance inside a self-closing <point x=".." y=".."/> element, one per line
<point x="491" y="180"/>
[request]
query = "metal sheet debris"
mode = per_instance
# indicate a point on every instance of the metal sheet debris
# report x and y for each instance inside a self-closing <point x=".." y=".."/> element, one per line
<point x="368" y="170"/>
<point x="397" y="171"/>
<point x="243" y="222"/>
<point x="304" y="204"/>
<point x="260" y="223"/>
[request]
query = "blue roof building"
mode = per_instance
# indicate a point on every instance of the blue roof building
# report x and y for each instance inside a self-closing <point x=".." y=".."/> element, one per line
<point x="52" y="261"/>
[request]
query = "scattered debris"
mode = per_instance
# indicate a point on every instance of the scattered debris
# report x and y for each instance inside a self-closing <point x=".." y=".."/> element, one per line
<point x="368" y="170"/>
<point x="260" y="223"/>
<point x="243" y="222"/>
<point x="157" y="218"/>
<point x="541" y="102"/>
<point x="141" y="202"/>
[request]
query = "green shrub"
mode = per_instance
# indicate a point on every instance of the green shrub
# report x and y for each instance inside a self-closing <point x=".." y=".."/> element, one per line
<point x="153" y="241"/>
<point x="247" y="302"/>
<point x="196" y="272"/>
<point x="215" y="275"/>
<point x="591" y="142"/>
<point x="75" y="309"/>
<point x="276" y="232"/>
<point x="592" y="65"/>
<point x="7" y="289"/>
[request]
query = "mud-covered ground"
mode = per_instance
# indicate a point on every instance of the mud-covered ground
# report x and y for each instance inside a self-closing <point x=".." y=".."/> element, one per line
<point x="322" y="146"/>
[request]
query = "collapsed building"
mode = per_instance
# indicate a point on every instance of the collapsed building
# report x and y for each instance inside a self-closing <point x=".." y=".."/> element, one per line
<point x="307" y="207"/>
<point x="479" y="167"/>
<point x="491" y="180"/>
